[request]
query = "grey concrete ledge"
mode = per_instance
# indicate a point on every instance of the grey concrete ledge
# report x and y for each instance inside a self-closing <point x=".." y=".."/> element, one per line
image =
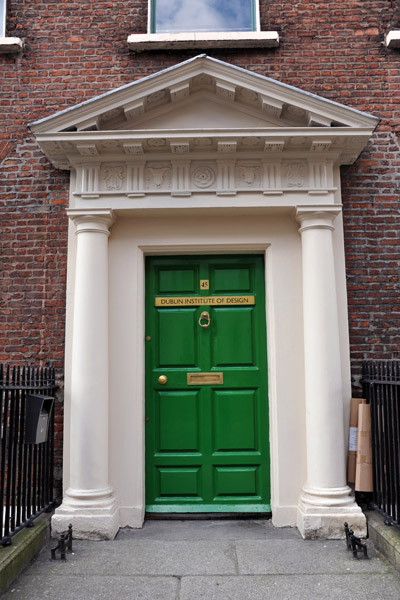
<point x="26" y="544"/>
<point x="392" y="39"/>
<point x="386" y="539"/>
<point x="178" y="41"/>
<point x="10" y="45"/>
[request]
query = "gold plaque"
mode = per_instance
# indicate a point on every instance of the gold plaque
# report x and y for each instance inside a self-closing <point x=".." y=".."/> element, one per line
<point x="208" y="300"/>
<point x="204" y="284"/>
<point x="205" y="378"/>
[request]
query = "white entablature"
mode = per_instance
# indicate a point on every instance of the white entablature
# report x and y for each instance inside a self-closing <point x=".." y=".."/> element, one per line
<point x="204" y="126"/>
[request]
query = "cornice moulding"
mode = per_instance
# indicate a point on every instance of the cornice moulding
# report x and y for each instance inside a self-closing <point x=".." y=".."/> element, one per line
<point x="139" y="96"/>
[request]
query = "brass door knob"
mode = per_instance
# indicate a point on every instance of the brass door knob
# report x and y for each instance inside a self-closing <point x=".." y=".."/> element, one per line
<point x="163" y="379"/>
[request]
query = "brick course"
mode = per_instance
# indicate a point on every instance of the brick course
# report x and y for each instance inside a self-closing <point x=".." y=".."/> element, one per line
<point x="76" y="50"/>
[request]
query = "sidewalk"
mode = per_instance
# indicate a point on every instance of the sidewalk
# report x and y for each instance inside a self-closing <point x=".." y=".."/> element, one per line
<point x="208" y="560"/>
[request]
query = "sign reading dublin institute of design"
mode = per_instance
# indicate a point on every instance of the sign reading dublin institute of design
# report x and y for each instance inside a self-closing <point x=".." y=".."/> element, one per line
<point x="208" y="300"/>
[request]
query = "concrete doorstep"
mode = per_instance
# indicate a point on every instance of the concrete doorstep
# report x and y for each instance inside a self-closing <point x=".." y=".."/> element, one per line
<point x="207" y="560"/>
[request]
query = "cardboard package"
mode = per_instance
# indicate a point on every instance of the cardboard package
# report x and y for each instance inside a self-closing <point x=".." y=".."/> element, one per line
<point x="363" y="481"/>
<point x="353" y="431"/>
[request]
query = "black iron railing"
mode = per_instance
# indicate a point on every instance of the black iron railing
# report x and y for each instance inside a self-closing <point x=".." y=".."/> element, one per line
<point x="381" y="384"/>
<point x="26" y="470"/>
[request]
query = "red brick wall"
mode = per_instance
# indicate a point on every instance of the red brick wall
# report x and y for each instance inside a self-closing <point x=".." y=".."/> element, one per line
<point x="76" y="50"/>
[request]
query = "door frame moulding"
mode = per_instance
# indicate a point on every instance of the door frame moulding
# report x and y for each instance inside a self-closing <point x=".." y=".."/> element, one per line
<point x="221" y="249"/>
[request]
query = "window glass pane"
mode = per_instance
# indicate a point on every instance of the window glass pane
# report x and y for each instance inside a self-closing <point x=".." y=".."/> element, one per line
<point x="2" y="18"/>
<point x="202" y="15"/>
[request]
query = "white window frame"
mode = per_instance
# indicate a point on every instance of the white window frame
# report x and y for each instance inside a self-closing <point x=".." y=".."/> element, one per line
<point x="203" y="40"/>
<point x="150" y="16"/>
<point x="8" y="45"/>
<point x="3" y="16"/>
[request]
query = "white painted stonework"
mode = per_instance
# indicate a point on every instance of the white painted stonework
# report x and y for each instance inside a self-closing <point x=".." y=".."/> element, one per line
<point x="392" y="39"/>
<point x="206" y="158"/>
<point x="204" y="40"/>
<point x="10" y="45"/>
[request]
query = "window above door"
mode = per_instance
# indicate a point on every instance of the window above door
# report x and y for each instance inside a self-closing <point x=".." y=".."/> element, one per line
<point x="202" y="24"/>
<point x="175" y="16"/>
<point x="8" y="45"/>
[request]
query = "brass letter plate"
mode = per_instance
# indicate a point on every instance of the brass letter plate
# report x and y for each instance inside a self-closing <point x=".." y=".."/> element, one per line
<point x="207" y="300"/>
<point x="205" y="378"/>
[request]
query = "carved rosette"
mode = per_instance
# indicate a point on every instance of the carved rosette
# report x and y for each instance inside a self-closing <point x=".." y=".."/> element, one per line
<point x="203" y="176"/>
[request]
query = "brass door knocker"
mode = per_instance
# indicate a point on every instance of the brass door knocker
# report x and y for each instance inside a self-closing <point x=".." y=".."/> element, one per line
<point x="204" y="317"/>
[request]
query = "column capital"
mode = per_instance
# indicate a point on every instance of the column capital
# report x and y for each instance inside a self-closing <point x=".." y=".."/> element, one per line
<point x="317" y="217"/>
<point x="96" y="221"/>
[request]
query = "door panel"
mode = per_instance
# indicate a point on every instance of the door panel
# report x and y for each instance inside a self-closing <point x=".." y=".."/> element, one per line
<point x="178" y="483"/>
<point x="231" y="343"/>
<point x="178" y="427"/>
<point x="234" y="419"/>
<point x="176" y="324"/>
<point x="182" y="280"/>
<point x="231" y="280"/>
<point x="207" y="447"/>
<point x="236" y="482"/>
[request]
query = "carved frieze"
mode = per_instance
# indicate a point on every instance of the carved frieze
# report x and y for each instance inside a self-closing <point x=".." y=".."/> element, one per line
<point x="158" y="176"/>
<point x="203" y="176"/>
<point x="226" y="175"/>
<point x="90" y="179"/>
<point x="295" y="174"/>
<point x="272" y="176"/>
<point x="318" y="175"/>
<point x="248" y="175"/>
<point x="113" y="177"/>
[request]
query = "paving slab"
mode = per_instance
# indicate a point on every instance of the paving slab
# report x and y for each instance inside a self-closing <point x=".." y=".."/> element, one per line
<point x="92" y="587"/>
<point x="143" y="557"/>
<point x="259" y="557"/>
<point x="291" y="587"/>
<point x="213" y="560"/>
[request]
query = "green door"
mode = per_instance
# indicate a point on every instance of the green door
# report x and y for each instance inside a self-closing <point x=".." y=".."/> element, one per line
<point x="207" y="443"/>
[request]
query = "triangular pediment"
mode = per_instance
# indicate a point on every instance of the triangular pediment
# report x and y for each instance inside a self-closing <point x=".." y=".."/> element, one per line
<point x="200" y="111"/>
<point x="197" y="95"/>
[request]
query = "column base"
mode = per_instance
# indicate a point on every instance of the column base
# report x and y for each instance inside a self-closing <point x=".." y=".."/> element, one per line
<point x="93" y="513"/>
<point x="321" y="513"/>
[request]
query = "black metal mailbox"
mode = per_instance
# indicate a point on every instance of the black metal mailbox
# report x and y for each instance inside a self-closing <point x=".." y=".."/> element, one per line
<point x="38" y="413"/>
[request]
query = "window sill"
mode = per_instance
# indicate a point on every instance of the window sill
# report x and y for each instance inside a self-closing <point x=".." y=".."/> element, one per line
<point x="10" y="44"/>
<point x="162" y="41"/>
<point x="392" y="39"/>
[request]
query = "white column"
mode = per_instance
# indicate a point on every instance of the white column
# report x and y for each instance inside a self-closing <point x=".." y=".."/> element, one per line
<point x="89" y="503"/>
<point x="326" y="502"/>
